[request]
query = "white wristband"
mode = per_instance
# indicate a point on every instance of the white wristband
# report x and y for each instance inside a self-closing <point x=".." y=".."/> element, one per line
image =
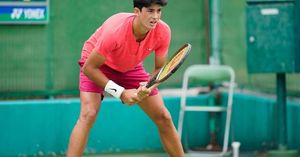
<point x="114" y="89"/>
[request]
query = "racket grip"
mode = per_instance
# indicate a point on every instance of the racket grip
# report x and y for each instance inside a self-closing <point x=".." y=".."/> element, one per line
<point x="152" y="81"/>
<point x="150" y="84"/>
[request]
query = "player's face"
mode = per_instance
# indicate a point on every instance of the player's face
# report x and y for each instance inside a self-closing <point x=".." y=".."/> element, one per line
<point x="150" y="16"/>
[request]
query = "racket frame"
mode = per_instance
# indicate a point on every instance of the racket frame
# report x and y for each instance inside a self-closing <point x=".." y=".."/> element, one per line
<point x="154" y="79"/>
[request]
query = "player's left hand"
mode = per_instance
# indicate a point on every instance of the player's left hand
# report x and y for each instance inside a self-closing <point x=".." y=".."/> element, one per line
<point x="143" y="91"/>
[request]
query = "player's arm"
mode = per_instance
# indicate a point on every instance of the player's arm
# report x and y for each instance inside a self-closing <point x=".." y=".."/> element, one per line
<point x="159" y="63"/>
<point x="91" y="69"/>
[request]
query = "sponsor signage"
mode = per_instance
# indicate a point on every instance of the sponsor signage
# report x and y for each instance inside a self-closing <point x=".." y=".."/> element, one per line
<point x="24" y="12"/>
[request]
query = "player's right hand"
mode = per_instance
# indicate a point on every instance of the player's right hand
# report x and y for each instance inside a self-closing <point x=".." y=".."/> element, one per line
<point x="130" y="97"/>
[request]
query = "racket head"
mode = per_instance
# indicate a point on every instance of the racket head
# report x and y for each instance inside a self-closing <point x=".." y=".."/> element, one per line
<point x="172" y="65"/>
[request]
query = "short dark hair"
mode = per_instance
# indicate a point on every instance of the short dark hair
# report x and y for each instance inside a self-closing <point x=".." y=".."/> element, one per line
<point x="146" y="3"/>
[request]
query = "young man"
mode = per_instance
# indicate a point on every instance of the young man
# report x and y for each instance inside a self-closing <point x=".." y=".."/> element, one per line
<point x="111" y="61"/>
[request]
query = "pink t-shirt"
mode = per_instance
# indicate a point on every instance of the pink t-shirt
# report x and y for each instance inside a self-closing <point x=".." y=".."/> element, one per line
<point x="115" y="40"/>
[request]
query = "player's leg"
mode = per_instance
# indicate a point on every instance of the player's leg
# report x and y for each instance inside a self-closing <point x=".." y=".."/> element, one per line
<point x="154" y="107"/>
<point x="90" y="105"/>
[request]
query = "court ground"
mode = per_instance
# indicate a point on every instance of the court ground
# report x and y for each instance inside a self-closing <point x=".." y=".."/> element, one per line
<point x="165" y="155"/>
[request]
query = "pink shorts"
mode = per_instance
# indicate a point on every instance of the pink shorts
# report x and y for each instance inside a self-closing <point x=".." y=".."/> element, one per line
<point x="129" y="80"/>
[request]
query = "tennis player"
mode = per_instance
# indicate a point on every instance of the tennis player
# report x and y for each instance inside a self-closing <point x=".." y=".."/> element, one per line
<point x="112" y="62"/>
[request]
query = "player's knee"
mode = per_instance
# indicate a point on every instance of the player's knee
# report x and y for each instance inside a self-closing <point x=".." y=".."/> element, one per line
<point x="164" y="120"/>
<point x="89" y="117"/>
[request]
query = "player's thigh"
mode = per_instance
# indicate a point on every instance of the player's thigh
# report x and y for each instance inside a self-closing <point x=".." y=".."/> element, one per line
<point x="90" y="101"/>
<point x="155" y="108"/>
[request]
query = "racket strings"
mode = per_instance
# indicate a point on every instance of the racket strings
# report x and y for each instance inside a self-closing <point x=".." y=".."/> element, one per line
<point x="173" y="62"/>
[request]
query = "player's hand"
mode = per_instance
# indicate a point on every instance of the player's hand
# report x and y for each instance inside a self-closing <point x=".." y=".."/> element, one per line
<point x="129" y="96"/>
<point x="143" y="91"/>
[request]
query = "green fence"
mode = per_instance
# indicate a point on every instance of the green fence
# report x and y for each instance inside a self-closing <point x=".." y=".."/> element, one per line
<point x="41" y="60"/>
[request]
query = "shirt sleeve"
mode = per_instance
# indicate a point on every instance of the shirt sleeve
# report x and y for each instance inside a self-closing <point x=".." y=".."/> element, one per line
<point x="165" y="38"/>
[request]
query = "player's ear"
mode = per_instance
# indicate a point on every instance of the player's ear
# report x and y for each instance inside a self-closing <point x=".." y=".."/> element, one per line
<point x="136" y="10"/>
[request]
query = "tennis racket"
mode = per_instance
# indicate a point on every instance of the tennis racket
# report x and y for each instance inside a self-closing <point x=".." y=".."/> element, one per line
<point x="171" y="66"/>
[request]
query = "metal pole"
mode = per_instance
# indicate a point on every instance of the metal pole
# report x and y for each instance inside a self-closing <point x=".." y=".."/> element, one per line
<point x="281" y="109"/>
<point x="215" y="32"/>
<point x="282" y="121"/>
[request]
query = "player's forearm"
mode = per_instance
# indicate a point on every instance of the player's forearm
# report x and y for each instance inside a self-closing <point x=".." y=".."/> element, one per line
<point x="95" y="75"/>
<point x="159" y="63"/>
<point x="109" y="86"/>
<point x="155" y="71"/>
<point x="91" y="68"/>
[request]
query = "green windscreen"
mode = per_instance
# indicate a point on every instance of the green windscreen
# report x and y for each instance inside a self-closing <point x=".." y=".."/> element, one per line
<point x="41" y="60"/>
